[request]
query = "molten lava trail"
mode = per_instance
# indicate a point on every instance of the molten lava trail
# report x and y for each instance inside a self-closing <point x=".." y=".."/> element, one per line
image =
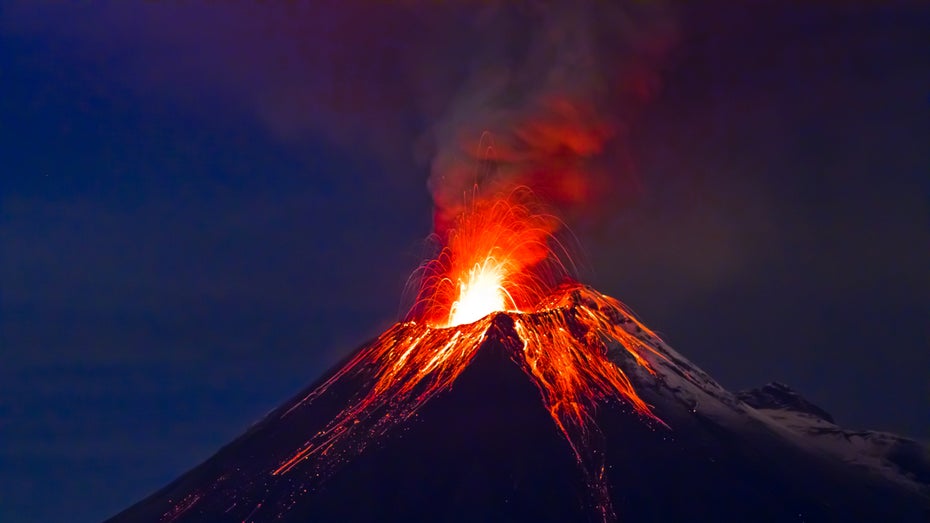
<point x="404" y="367"/>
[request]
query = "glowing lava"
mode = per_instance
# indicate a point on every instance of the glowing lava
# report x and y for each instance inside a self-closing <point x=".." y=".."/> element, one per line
<point x="497" y="256"/>
<point x="481" y="293"/>
<point x="567" y="338"/>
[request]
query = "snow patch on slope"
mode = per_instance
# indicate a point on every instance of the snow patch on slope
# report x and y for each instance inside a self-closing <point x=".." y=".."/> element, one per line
<point x="780" y="409"/>
<point x="899" y="459"/>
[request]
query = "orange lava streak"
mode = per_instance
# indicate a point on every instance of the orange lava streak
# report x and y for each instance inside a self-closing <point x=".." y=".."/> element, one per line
<point x="566" y="352"/>
<point x="404" y="368"/>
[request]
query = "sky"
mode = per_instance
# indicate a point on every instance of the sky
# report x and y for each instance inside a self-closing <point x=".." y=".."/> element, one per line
<point x="203" y="206"/>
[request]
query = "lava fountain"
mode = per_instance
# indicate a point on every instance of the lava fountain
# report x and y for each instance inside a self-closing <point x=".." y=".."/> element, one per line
<point x="499" y="257"/>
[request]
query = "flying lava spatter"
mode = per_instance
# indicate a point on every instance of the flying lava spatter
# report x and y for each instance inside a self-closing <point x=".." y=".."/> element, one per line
<point x="498" y="258"/>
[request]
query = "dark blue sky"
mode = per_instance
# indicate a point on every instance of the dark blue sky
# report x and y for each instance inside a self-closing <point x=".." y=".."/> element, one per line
<point x="186" y="242"/>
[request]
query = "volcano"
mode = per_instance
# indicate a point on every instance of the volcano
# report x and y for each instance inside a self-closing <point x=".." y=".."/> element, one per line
<point x="501" y="420"/>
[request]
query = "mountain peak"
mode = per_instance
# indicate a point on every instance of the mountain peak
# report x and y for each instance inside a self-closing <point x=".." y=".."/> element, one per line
<point x="431" y="423"/>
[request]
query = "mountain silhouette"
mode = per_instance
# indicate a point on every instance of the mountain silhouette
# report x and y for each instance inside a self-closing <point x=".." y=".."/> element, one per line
<point x="485" y="447"/>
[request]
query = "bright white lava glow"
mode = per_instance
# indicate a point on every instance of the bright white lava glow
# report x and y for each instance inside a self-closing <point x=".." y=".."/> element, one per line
<point x="482" y="294"/>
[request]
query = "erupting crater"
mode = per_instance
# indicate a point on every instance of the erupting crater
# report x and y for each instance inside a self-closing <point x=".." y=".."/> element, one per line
<point x="496" y="271"/>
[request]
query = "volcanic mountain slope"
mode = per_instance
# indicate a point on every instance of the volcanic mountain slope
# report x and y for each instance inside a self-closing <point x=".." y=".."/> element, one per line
<point x="485" y="447"/>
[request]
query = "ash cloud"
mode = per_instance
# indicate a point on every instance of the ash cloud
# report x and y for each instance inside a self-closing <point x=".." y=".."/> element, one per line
<point x="536" y="93"/>
<point x="551" y="106"/>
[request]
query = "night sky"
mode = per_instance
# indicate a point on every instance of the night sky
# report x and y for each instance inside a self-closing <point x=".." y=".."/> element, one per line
<point x="205" y="205"/>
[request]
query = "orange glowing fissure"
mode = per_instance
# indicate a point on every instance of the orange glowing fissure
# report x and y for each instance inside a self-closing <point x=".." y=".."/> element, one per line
<point x="497" y="259"/>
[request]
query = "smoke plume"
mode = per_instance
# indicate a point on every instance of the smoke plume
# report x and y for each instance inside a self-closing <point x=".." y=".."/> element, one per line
<point x="539" y="93"/>
<point x="552" y="95"/>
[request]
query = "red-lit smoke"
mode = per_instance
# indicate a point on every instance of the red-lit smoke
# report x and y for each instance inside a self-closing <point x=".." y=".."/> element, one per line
<point x="550" y="105"/>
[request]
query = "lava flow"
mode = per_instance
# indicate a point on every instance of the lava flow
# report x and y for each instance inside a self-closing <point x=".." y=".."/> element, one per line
<point x="498" y="259"/>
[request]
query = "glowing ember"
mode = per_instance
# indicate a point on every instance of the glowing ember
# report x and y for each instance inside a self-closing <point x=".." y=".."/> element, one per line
<point x="496" y="258"/>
